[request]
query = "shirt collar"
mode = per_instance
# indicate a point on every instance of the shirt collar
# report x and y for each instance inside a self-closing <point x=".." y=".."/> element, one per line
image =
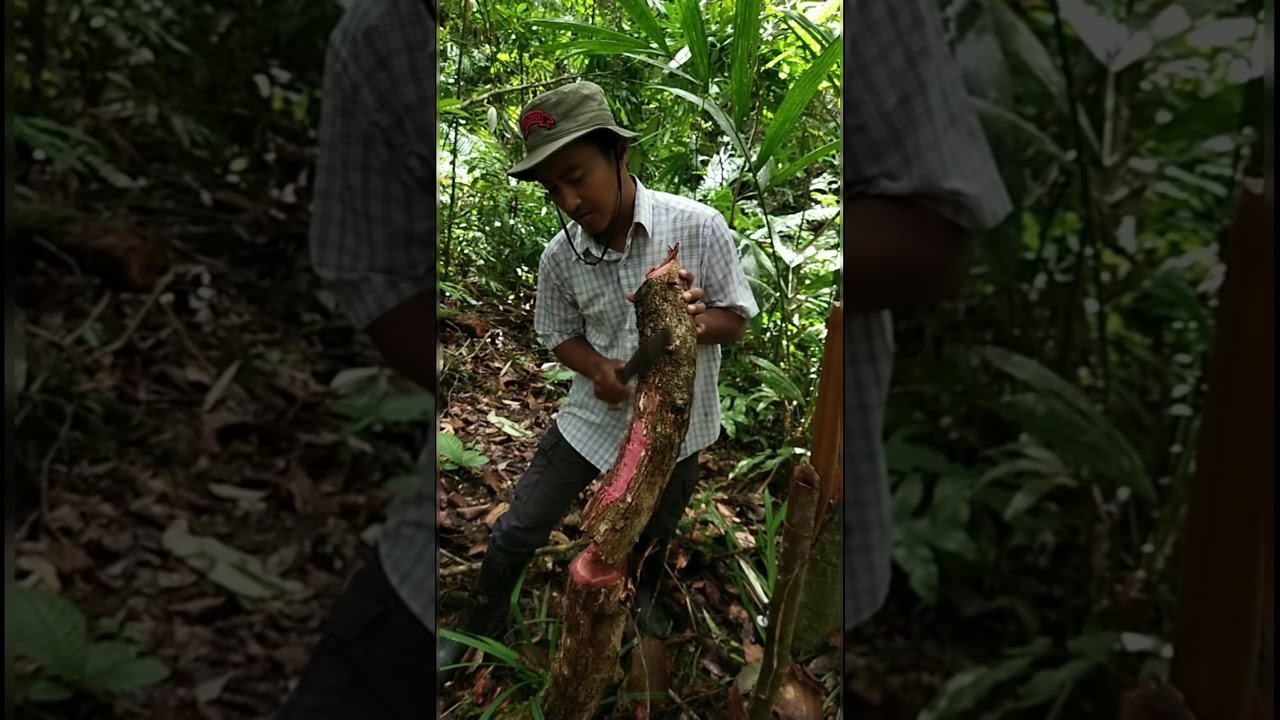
<point x="642" y="216"/>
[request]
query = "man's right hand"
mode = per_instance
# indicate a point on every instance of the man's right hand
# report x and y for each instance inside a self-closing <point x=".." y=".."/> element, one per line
<point x="605" y="378"/>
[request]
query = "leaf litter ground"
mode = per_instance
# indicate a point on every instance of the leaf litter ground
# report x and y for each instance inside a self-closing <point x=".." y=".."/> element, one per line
<point x="185" y="480"/>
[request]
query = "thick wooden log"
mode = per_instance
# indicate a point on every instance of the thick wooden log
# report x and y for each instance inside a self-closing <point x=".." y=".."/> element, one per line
<point x="586" y="661"/>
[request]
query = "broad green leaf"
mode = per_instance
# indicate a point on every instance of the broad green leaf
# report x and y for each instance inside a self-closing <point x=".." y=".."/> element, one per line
<point x="695" y="36"/>
<point x="972" y="689"/>
<point x="745" y="51"/>
<point x="1047" y="685"/>
<point x="599" y="47"/>
<point x="776" y="379"/>
<point x="809" y="160"/>
<point x="448" y="445"/>
<point x="46" y="628"/>
<point x="48" y="690"/>
<point x="116" y="667"/>
<point x="658" y="63"/>
<point x="917" y="561"/>
<point x="1007" y="119"/>
<point x="1031" y="492"/>
<point x="582" y="28"/>
<point x="907" y="496"/>
<point x="795" y="101"/>
<point x="643" y="17"/>
<point x="1069" y="423"/>
<point x="718" y="115"/>
<point x="813" y="37"/>
<point x="1021" y="44"/>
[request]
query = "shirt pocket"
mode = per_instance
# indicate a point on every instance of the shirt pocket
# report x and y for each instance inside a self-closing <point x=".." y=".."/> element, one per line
<point x="603" y="302"/>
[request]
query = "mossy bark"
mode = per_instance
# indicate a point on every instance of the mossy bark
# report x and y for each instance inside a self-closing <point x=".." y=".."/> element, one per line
<point x="586" y="661"/>
<point x="797" y="543"/>
<point x="821" y="610"/>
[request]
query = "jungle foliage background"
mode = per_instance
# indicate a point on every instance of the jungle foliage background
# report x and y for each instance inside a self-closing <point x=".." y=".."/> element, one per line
<point x="204" y="447"/>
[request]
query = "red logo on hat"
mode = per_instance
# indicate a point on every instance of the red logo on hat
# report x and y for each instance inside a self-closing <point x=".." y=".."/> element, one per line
<point x="538" y="118"/>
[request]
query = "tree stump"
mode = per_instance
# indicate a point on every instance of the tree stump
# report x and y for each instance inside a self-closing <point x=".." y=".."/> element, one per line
<point x="586" y="660"/>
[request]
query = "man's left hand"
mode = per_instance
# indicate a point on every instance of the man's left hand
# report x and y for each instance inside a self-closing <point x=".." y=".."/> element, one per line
<point x="692" y="297"/>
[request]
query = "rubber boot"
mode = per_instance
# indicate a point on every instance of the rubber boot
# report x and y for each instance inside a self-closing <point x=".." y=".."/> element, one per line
<point x="486" y="610"/>
<point x="651" y="617"/>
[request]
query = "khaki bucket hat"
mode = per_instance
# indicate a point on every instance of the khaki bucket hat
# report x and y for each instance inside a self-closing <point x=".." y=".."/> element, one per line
<point x="558" y="117"/>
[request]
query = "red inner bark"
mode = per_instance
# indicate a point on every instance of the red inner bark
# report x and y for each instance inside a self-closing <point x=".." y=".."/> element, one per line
<point x="671" y="257"/>
<point x="587" y="569"/>
<point x="627" y="466"/>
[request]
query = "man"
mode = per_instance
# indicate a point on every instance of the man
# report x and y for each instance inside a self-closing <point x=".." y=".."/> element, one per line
<point x="919" y="181"/>
<point x="373" y="241"/>
<point x="588" y="272"/>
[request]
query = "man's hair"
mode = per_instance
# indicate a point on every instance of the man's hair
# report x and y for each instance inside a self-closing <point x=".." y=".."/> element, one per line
<point x="606" y="141"/>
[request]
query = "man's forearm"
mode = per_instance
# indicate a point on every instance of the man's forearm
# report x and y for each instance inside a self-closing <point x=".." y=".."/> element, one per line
<point x="406" y="337"/>
<point x="720" y="327"/>
<point x="901" y="254"/>
<point x="578" y="355"/>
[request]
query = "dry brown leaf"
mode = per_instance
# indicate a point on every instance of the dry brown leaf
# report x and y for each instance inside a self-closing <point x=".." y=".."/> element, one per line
<point x="209" y="690"/>
<point x="495" y="513"/>
<point x="751" y="651"/>
<point x="558" y="538"/>
<point x="69" y="558"/>
<point x="494" y="481"/>
<point x="798" y="699"/>
<point x="736" y="705"/>
<point x="43" y="573"/>
<point x="475" y="511"/>
<point x="306" y="499"/>
<point x="478" y="548"/>
<point x="649" y="672"/>
<point x="456" y="500"/>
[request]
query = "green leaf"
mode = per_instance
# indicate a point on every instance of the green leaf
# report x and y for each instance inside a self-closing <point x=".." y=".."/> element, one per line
<point x="1002" y="119"/>
<point x="795" y="101"/>
<point x="507" y="426"/>
<point x="718" y="115"/>
<point x="115" y="666"/>
<point x="804" y="163"/>
<point x="744" y="51"/>
<point x="663" y="65"/>
<point x="48" y="690"/>
<point x="695" y="36"/>
<point x="967" y="691"/>
<point x="1066" y="421"/>
<point x="907" y="496"/>
<point x="643" y="17"/>
<point x="775" y="379"/>
<point x="582" y="28"/>
<point x="1031" y="492"/>
<point x="48" y="629"/>
<point x="1047" y="685"/>
<point x="813" y="37"/>
<point x="598" y="47"/>
<point x="917" y="561"/>
<point x="448" y="445"/>
<point x="1020" y="43"/>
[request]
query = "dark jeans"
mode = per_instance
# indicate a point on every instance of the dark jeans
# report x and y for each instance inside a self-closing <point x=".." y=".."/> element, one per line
<point x="375" y="659"/>
<point x="556" y="476"/>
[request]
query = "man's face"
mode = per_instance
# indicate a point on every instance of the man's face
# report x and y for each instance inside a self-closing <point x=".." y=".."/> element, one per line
<point x="583" y="183"/>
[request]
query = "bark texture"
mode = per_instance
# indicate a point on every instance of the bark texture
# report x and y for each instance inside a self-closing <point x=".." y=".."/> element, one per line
<point x="586" y="661"/>
<point x="797" y="544"/>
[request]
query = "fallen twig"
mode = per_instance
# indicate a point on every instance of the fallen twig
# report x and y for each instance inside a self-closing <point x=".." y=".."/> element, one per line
<point x="138" y="317"/>
<point x="473" y="566"/>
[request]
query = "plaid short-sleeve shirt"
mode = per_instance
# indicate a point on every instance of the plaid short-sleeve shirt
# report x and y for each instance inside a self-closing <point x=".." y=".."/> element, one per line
<point x="909" y="131"/>
<point x="576" y="299"/>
